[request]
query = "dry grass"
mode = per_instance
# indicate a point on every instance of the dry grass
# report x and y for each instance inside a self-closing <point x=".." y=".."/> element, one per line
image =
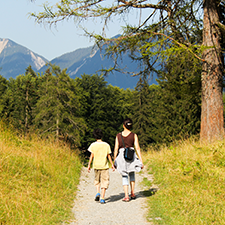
<point x="38" y="180"/>
<point x="191" y="181"/>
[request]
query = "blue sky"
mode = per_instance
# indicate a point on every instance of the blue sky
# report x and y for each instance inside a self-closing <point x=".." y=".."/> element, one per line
<point x="16" y="25"/>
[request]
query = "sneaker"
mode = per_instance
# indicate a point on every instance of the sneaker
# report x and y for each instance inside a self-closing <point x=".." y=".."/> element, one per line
<point x="97" y="197"/>
<point x="102" y="201"/>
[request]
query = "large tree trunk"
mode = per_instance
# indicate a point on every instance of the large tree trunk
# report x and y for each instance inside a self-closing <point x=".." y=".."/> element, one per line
<point x="212" y="122"/>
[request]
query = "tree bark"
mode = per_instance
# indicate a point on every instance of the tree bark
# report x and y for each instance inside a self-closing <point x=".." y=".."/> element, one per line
<point x="212" y="121"/>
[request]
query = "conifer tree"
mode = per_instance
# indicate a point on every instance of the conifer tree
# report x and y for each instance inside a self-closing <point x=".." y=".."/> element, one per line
<point x="58" y="109"/>
<point x="179" y="108"/>
<point x="142" y="116"/>
<point x="94" y="94"/>
<point x="104" y="107"/>
<point x="31" y="96"/>
<point x="172" y="109"/>
<point x="169" y="27"/>
<point x="3" y="88"/>
<point x="119" y="106"/>
<point x="20" y="100"/>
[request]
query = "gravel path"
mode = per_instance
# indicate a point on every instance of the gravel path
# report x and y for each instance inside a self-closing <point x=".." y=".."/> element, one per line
<point x="115" y="211"/>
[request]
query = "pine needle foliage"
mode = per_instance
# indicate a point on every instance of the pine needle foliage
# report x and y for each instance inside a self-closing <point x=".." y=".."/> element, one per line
<point x="171" y="110"/>
<point x="179" y="108"/>
<point x="165" y="29"/>
<point x="58" y="110"/>
<point x="143" y="116"/>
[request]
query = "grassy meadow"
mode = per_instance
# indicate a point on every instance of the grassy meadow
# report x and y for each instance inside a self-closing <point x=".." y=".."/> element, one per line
<point x="38" y="180"/>
<point x="191" y="181"/>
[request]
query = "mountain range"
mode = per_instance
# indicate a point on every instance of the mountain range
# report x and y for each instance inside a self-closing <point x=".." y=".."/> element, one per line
<point x="14" y="59"/>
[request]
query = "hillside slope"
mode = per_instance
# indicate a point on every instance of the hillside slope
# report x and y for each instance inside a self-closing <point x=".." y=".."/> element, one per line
<point x="190" y="176"/>
<point x="15" y="58"/>
<point x="38" y="179"/>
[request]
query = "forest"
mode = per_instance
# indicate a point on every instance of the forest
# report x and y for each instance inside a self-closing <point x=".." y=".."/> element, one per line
<point x="186" y="38"/>
<point x="53" y="104"/>
<point x="166" y="33"/>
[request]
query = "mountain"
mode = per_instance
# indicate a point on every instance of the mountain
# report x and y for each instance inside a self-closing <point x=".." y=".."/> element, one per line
<point x="89" y="60"/>
<point x="68" y="59"/>
<point x="14" y="59"/>
<point x="91" y="64"/>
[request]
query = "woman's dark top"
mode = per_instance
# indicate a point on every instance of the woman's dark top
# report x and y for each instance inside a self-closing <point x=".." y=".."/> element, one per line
<point x="128" y="141"/>
<point x="125" y="167"/>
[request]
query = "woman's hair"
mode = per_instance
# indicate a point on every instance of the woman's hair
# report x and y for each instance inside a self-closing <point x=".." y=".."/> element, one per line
<point x="128" y="123"/>
<point x="97" y="133"/>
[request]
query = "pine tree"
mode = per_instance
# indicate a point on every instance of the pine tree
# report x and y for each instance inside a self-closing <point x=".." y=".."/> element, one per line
<point x="58" y="109"/>
<point x="20" y="99"/>
<point x="168" y="28"/>
<point x="3" y="89"/>
<point x="119" y="106"/>
<point x="180" y="108"/>
<point x="94" y="100"/>
<point x="104" y="107"/>
<point x="142" y="116"/>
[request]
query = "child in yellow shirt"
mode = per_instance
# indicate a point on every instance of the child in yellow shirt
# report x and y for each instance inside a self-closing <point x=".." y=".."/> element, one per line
<point x="100" y="151"/>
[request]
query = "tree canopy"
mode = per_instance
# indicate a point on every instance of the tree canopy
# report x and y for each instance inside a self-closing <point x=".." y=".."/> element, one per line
<point x="170" y="26"/>
<point x="54" y="105"/>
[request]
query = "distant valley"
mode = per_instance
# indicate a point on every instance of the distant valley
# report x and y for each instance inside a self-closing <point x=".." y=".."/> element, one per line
<point x="14" y="59"/>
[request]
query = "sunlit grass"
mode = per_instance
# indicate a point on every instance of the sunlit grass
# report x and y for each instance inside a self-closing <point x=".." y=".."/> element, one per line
<point x="191" y="181"/>
<point x="38" y="180"/>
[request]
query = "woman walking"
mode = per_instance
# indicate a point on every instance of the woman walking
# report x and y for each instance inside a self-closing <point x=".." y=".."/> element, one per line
<point x="127" y="168"/>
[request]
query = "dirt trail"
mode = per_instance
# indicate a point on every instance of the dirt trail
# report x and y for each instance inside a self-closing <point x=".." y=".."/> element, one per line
<point x="115" y="211"/>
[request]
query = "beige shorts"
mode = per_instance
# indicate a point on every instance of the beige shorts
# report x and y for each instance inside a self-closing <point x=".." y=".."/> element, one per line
<point x="102" y="178"/>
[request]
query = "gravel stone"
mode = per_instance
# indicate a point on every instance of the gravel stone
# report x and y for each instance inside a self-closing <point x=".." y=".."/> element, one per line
<point x="87" y="211"/>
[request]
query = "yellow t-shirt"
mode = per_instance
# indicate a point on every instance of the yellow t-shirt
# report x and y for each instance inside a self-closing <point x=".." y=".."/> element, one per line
<point x="100" y="149"/>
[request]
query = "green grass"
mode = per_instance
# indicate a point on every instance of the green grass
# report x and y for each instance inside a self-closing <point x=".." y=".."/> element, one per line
<point x="38" y="180"/>
<point x="191" y="181"/>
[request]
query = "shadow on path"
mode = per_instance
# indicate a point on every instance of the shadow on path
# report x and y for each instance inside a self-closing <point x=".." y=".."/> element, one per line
<point x="139" y="194"/>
